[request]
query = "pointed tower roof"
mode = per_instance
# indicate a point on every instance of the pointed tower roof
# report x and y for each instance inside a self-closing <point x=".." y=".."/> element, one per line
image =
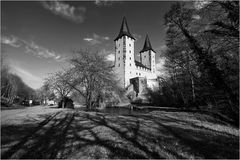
<point x="147" y="45"/>
<point x="124" y="31"/>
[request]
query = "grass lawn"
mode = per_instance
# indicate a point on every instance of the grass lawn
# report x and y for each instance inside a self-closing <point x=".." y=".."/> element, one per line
<point x="74" y="134"/>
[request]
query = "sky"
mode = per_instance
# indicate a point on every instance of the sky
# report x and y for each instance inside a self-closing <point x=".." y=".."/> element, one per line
<point x="37" y="38"/>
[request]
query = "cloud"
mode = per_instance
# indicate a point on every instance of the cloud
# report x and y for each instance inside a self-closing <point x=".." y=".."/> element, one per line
<point x="161" y="48"/>
<point x="96" y="39"/>
<point x="160" y="67"/>
<point x="105" y="2"/>
<point x="27" y="74"/>
<point x="199" y="4"/>
<point x="160" y="63"/>
<point x="12" y="41"/>
<point x="87" y="39"/>
<point x="111" y="57"/>
<point x="29" y="78"/>
<point x="31" y="47"/>
<point x="106" y="38"/>
<point x="75" y="14"/>
<point x="137" y="36"/>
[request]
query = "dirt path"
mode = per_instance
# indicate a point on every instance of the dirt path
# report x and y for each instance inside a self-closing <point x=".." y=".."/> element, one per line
<point x="60" y="133"/>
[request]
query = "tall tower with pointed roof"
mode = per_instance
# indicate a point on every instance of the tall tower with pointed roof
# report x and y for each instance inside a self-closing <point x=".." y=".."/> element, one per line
<point x="126" y="67"/>
<point x="124" y="54"/>
<point x="147" y="55"/>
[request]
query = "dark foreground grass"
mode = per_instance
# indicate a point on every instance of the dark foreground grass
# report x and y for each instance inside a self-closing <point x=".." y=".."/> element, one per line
<point x="157" y="135"/>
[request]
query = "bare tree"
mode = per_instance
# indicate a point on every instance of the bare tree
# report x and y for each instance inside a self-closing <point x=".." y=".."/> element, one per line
<point x="58" y="84"/>
<point x="92" y="77"/>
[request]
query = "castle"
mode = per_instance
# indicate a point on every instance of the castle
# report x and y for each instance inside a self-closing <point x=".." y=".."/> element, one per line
<point x="129" y="71"/>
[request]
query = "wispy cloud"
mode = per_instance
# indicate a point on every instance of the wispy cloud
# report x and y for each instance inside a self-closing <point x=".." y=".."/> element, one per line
<point x="96" y="39"/>
<point x="105" y="2"/>
<point x="31" y="47"/>
<point x="12" y="41"/>
<point x="75" y="14"/>
<point x="137" y="36"/>
<point x="88" y="39"/>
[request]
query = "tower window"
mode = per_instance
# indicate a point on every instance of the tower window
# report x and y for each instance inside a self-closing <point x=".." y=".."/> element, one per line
<point x="144" y="56"/>
<point x="136" y="73"/>
<point x="130" y="58"/>
<point x="119" y="65"/>
<point x="130" y="72"/>
<point x="139" y="74"/>
<point x="130" y="64"/>
<point x="130" y="51"/>
<point x="118" y="58"/>
<point x="118" y="51"/>
<point x="129" y="45"/>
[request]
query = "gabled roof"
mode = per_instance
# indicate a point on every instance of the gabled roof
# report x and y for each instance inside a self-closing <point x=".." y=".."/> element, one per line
<point x="141" y="65"/>
<point x="147" y="45"/>
<point x="124" y="31"/>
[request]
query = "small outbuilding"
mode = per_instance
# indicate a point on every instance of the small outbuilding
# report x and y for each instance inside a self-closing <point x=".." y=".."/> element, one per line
<point x="66" y="102"/>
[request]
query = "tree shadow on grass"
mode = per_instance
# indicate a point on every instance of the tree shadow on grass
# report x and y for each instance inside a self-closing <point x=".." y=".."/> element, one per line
<point x="26" y="131"/>
<point x="81" y="135"/>
<point x="201" y="141"/>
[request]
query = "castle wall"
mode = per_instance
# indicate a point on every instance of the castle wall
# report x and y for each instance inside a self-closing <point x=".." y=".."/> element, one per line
<point x="129" y="61"/>
<point x="119" y="65"/>
<point x="143" y="72"/>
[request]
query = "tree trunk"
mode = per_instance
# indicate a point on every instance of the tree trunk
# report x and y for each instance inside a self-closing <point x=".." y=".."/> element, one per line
<point x="206" y="60"/>
<point x="193" y="88"/>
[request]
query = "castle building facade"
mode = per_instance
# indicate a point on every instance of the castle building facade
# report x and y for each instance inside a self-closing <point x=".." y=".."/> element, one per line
<point x="125" y="65"/>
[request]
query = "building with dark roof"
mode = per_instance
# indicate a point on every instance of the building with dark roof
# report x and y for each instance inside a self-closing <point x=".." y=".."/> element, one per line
<point x="125" y="65"/>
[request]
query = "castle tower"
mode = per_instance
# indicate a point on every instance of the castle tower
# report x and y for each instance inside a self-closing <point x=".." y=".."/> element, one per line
<point x="147" y="56"/>
<point x="124" y="55"/>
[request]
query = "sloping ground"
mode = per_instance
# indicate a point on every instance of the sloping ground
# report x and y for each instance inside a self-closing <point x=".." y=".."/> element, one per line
<point x="89" y="135"/>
